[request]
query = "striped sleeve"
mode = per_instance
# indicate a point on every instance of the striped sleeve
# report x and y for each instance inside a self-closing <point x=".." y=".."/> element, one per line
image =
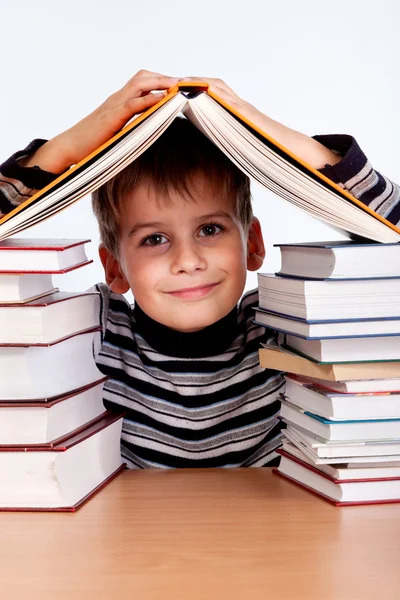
<point x="355" y="174"/>
<point x="17" y="183"/>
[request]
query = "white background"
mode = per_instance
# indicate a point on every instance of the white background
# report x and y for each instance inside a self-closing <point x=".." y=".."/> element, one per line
<point x="319" y="67"/>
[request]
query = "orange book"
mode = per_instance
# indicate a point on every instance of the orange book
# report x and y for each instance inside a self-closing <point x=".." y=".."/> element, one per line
<point x="280" y="359"/>
<point x="250" y="148"/>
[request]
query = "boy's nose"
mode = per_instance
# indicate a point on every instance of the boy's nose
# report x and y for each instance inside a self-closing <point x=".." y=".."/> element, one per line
<point x="187" y="258"/>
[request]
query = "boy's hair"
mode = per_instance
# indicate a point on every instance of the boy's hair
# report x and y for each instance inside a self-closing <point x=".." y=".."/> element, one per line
<point x="180" y="154"/>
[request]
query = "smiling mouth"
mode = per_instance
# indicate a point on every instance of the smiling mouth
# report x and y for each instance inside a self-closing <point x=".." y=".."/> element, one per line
<point x="194" y="292"/>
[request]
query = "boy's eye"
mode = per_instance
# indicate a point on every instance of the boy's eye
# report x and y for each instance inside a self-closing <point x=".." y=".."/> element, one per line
<point x="154" y="240"/>
<point x="210" y="229"/>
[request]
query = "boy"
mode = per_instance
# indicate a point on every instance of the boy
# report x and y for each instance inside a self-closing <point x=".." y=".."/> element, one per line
<point x="177" y="229"/>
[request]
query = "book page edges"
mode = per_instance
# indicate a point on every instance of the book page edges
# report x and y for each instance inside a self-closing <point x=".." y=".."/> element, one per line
<point x="306" y="165"/>
<point x="72" y="508"/>
<point x="87" y="158"/>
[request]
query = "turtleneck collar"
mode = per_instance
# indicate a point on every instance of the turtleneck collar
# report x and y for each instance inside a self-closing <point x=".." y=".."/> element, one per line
<point x="210" y="341"/>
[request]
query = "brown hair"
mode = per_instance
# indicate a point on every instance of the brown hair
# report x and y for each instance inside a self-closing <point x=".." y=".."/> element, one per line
<point x="172" y="162"/>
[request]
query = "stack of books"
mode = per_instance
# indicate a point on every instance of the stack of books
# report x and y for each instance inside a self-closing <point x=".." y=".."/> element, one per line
<point x="58" y="444"/>
<point x="336" y="310"/>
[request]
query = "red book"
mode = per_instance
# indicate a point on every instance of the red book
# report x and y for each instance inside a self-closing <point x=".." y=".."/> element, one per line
<point x="32" y="372"/>
<point x="65" y="476"/>
<point x="338" y="492"/>
<point x="49" y="422"/>
<point x="50" y="319"/>
<point x="24" y="255"/>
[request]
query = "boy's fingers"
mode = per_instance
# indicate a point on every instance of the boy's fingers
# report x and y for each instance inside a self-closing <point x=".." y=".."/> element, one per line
<point x="223" y="93"/>
<point x="132" y="106"/>
<point x="143" y="85"/>
<point x="143" y="73"/>
<point x="215" y="84"/>
<point x="149" y="77"/>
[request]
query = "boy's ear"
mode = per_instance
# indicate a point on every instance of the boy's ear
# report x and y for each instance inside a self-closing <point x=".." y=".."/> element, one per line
<point x="255" y="246"/>
<point x="115" y="278"/>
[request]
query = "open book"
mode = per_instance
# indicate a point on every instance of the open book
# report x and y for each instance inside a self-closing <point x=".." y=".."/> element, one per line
<point x="252" y="150"/>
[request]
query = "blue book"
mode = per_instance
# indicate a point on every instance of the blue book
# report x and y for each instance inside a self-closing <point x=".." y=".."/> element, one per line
<point x="310" y="329"/>
<point x="346" y="421"/>
<point x="339" y="431"/>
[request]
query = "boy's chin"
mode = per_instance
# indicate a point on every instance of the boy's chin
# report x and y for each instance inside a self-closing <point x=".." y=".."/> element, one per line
<point x="190" y="323"/>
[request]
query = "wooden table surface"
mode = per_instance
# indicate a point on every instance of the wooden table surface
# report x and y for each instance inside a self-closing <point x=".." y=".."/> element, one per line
<point x="202" y="534"/>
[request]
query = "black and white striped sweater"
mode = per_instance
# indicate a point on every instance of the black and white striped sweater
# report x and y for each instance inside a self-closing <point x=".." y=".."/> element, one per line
<point x="197" y="399"/>
<point x="191" y="399"/>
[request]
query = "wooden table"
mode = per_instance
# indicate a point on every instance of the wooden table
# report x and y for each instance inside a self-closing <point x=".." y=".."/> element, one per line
<point x="202" y="534"/>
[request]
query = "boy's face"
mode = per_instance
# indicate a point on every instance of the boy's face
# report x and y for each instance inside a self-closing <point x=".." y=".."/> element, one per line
<point x="185" y="260"/>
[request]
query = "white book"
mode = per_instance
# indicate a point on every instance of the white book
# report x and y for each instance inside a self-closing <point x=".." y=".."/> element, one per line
<point x="49" y="319"/>
<point x="339" y="260"/>
<point x="329" y="299"/>
<point x="339" y="350"/>
<point x="309" y="329"/>
<point x="341" y="407"/>
<point x="351" y="470"/>
<point x="63" y="476"/>
<point x="16" y="289"/>
<point x="29" y="373"/>
<point x="329" y="451"/>
<point x="47" y="422"/>
<point x="358" y="385"/>
<point x="357" y="492"/>
<point x="27" y="255"/>
<point x="373" y="430"/>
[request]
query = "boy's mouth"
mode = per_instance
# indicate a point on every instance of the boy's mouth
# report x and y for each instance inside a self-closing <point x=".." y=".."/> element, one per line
<point x="194" y="292"/>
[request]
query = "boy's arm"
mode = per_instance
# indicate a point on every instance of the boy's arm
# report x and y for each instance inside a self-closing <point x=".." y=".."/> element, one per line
<point x="141" y="92"/>
<point x="17" y="183"/>
<point x="355" y="173"/>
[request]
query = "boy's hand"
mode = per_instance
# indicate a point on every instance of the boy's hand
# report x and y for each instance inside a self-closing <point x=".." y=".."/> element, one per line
<point x="223" y="91"/>
<point x="306" y="148"/>
<point x="71" y="146"/>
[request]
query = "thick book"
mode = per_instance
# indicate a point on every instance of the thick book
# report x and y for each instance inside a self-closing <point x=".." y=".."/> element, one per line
<point x="345" y="472"/>
<point x="47" y="423"/>
<point x="49" y="319"/>
<point x="329" y="299"/>
<point x="280" y="359"/>
<point x="339" y="260"/>
<point x="64" y="476"/>
<point x="342" y="350"/>
<point x="340" y="431"/>
<point x="17" y="289"/>
<point x="25" y="255"/>
<point x="31" y="372"/>
<point x="250" y="148"/>
<point x="336" y="492"/>
<point x="342" y="407"/>
<point x="320" y="452"/>
<point x="322" y="329"/>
